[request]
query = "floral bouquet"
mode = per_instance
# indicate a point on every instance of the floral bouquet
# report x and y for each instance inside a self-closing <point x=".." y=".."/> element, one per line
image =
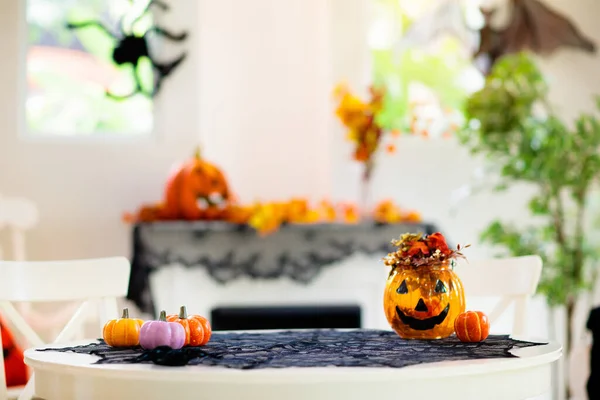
<point x="415" y="250"/>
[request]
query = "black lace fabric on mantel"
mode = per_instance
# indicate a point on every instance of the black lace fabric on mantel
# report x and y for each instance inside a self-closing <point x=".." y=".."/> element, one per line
<point x="310" y="348"/>
<point x="228" y="252"/>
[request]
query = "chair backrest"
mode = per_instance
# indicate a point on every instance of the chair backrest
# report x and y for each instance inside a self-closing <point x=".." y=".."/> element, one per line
<point x="40" y="281"/>
<point x="513" y="279"/>
<point x="100" y="281"/>
<point x="17" y="215"/>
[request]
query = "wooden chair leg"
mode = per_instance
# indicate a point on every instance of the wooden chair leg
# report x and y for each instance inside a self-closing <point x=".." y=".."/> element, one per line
<point x="108" y="309"/>
<point x="19" y="324"/>
<point x="3" y="387"/>
<point x="520" y="321"/>
<point x="74" y="324"/>
<point x="29" y="390"/>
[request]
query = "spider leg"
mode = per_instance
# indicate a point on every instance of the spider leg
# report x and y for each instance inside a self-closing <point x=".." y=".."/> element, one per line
<point x="176" y="38"/>
<point x="138" y="88"/>
<point x="163" y="6"/>
<point x="164" y="70"/>
<point x="159" y="3"/>
<point x="96" y="24"/>
<point x="122" y="97"/>
<point x="122" y="26"/>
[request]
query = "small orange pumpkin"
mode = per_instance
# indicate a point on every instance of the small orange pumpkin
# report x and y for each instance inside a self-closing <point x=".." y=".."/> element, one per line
<point x="197" y="328"/>
<point x="196" y="190"/>
<point x="472" y="326"/>
<point x="122" y="332"/>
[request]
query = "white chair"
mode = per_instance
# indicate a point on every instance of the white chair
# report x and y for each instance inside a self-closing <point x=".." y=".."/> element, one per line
<point x="99" y="281"/>
<point x="513" y="280"/>
<point x="17" y="215"/>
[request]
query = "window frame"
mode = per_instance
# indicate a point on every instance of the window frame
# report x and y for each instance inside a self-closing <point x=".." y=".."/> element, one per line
<point x="24" y="134"/>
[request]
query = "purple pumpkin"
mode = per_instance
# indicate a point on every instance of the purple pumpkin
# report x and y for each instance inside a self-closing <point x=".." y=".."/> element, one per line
<point x="162" y="333"/>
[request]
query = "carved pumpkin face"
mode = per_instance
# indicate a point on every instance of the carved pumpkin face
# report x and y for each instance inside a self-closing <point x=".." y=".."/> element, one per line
<point x="207" y="184"/>
<point x="423" y="302"/>
<point x="198" y="190"/>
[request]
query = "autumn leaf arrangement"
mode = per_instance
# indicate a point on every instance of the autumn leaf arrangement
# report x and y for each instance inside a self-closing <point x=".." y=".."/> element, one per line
<point x="360" y="117"/>
<point x="266" y="218"/>
<point x="366" y="130"/>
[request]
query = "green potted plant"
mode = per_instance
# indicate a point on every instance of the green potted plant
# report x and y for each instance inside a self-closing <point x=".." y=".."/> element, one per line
<point x="513" y="125"/>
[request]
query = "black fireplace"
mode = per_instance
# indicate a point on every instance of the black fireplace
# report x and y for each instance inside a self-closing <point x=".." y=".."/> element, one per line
<point x="285" y="317"/>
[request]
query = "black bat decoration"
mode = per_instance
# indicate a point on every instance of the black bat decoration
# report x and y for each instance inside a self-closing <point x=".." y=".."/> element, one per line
<point x="129" y="49"/>
<point x="534" y="27"/>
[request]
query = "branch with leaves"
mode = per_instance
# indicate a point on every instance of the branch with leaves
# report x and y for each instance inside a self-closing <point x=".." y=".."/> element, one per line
<point x="361" y="120"/>
<point x="512" y="124"/>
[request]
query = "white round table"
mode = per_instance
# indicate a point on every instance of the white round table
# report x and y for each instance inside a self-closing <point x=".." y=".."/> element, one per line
<point x="71" y="376"/>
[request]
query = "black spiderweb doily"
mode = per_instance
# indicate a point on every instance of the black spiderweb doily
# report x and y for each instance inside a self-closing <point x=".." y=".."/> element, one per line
<point x="321" y="348"/>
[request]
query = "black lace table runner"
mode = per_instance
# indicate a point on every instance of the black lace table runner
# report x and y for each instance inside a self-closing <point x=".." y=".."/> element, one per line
<point x="311" y="348"/>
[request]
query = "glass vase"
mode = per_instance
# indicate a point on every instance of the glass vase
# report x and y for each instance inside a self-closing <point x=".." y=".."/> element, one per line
<point x="423" y="302"/>
<point x="365" y="189"/>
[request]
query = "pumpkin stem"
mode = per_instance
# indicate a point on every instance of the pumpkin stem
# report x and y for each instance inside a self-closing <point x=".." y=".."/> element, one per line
<point x="163" y="316"/>
<point x="182" y="312"/>
<point x="125" y="313"/>
<point x="198" y="153"/>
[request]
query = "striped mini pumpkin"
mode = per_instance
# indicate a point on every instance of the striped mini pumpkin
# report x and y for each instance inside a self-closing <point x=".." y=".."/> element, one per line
<point x="472" y="326"/>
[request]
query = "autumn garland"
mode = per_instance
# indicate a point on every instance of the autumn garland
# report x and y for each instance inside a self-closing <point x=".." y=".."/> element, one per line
<point x="415" y="250"/>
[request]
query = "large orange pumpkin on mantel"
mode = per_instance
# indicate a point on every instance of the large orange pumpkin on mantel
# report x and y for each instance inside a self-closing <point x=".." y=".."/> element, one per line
<point x="196" y="190"/>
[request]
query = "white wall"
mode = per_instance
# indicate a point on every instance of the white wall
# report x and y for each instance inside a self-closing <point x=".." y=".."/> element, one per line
<point x="265" y="74"/>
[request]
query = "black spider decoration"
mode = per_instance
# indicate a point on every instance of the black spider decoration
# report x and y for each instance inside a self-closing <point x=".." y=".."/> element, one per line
<point x="129" y="49"/>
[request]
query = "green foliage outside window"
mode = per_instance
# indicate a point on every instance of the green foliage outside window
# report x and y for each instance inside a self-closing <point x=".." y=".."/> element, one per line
<point x="442" y="67"/>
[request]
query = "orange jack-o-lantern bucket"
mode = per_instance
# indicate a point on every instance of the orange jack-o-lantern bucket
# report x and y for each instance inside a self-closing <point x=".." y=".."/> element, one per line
<point x="423" y="302"/>
<point x="423" y="295"/>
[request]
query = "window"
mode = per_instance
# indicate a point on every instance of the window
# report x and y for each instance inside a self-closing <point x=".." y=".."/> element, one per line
<point x="69" y="71"/>
<point x="428" y="75"/>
